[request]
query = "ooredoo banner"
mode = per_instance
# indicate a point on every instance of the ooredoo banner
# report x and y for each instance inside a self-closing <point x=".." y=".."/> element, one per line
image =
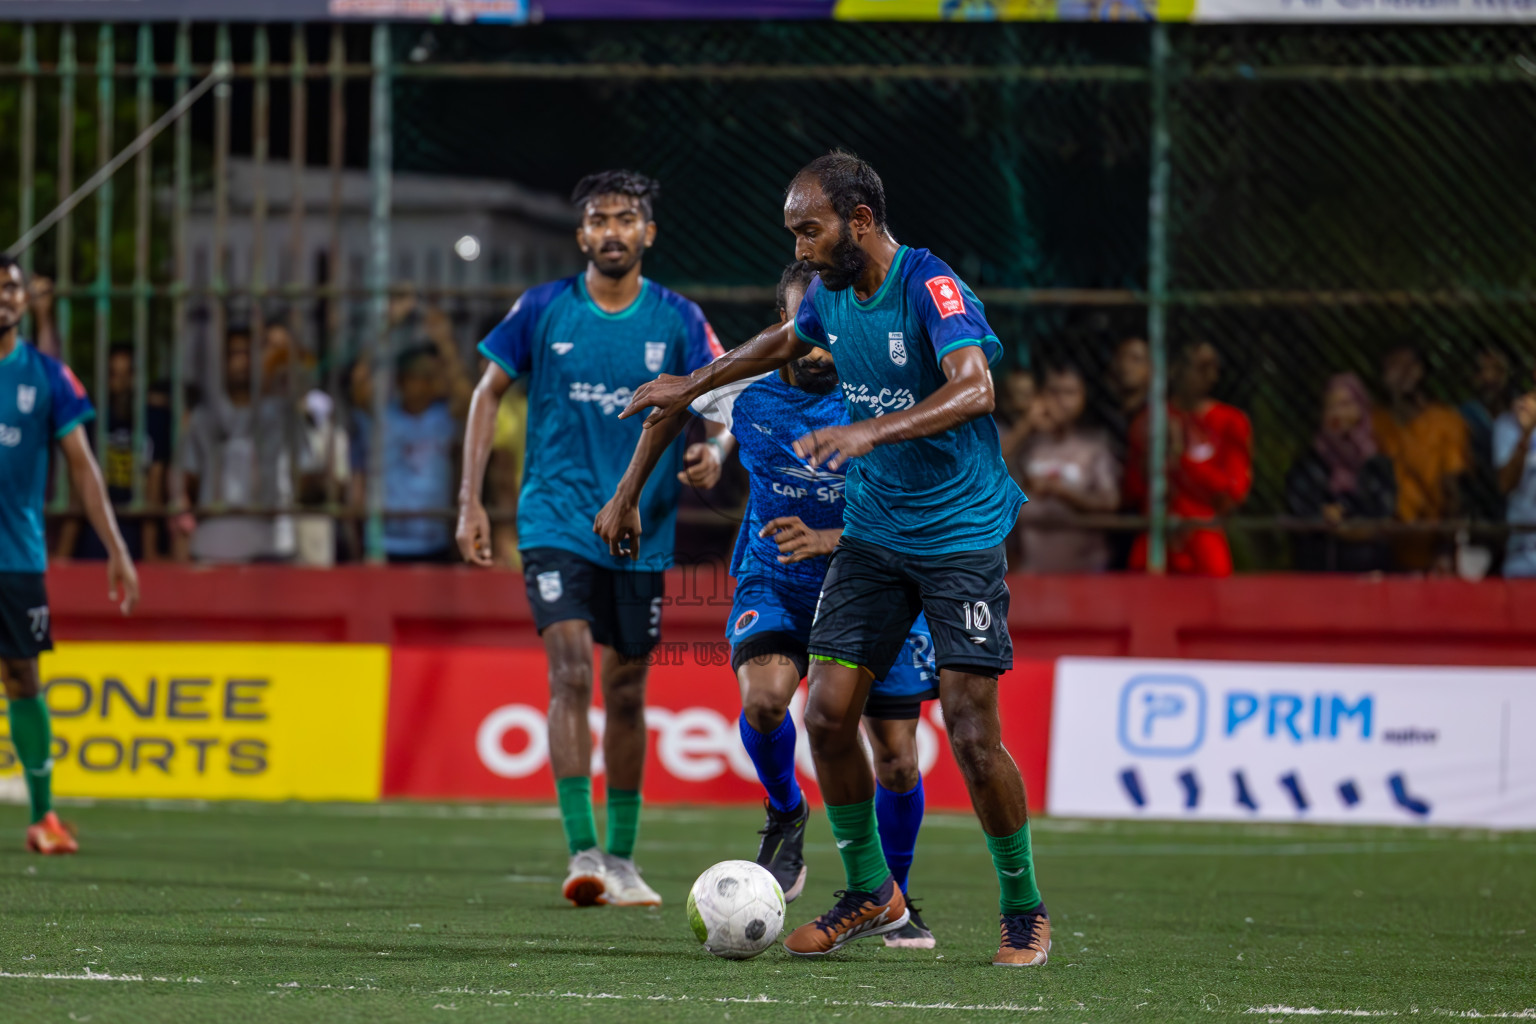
<point x="215" y="721"/>
<point x="1326" y="743"/>
<point x="469" y="723"/>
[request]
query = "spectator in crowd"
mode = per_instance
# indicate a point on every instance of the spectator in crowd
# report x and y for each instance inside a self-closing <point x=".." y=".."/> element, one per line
<point x="123" y="464"/>
<point x="421" y="428"/>
<point x="1516" y="462"/>
<point x="45" y="327"/>
<point x="1427" y="443"/>
<point x="1068" y="472"/>
<point x="232" y="458"/>
<point x="1209" y="465"/>
<point x="1342" y="478"/>
<point x="1017" y="414"/>
<point x="1491" y="397"/>
<point x="1128" y="382"/>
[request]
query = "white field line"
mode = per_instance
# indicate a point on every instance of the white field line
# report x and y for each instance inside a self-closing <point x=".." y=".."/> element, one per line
<point x="90" y="975"/>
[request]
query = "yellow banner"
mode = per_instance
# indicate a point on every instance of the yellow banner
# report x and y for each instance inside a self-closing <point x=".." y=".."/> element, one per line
<point x="215" y="721"/>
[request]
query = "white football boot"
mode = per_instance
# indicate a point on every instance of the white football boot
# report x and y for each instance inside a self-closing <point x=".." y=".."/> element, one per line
<point x="625" y="887"/>
<point x="588" y="878"/>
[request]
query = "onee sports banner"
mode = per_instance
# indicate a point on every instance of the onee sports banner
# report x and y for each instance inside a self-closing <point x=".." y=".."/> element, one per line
<point x="215" y="721"/>
<point x="469" y="723"/>
<point x="1236" y="741"/>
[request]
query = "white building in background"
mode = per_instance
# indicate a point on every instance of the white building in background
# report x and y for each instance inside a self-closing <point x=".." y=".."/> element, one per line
<point x="445" y="232"/>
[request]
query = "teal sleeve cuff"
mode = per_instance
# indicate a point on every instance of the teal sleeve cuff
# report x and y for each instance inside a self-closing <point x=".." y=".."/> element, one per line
<point x="808" y="339"/>
<point x="493" y="357"/>
<point x="64" y="431"/>
<point x="990" y="344"/>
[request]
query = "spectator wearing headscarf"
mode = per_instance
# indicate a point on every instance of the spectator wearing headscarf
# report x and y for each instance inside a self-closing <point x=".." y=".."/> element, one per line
<point x="1341" y="478"/>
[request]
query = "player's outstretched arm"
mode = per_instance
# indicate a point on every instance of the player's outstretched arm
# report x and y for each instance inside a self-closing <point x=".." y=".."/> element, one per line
<point x="965" y="396"/>
<point x="474" y="529"/>
<point x="618" y="522"/>
<point x="85" y="478"/>
<point x="670" y="395"/>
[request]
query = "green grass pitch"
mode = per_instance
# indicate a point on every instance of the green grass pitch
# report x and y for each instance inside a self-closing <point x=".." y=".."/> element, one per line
<point x="427" y="912"/>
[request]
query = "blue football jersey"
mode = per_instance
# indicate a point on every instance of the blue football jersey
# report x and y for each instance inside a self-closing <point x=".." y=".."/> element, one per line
<point x="767" y="416"/>
<point x="40" y="402"/>
<point x="932" y="495"/>
<point x="583" y="364"/>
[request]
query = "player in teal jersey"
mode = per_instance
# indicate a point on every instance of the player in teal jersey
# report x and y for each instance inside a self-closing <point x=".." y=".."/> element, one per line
<point x="928" y="505"/>
<point x="41" y="403"/>
<point x="585" y="343"/>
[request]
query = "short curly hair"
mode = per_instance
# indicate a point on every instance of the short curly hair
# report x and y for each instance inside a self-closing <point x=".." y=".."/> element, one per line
<point x="848" y="183"/>
<point x="797" y="275"/>
<point x="621" y="183"/>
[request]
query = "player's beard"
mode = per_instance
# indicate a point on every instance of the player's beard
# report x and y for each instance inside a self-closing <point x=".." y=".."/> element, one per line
<point x="848" y="263"/>
<point x="817" y="376"/>
<point x="618" y="270"/>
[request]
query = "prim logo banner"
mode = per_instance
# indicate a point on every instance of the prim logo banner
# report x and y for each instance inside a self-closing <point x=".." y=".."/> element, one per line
<point x="1323" y="743"/>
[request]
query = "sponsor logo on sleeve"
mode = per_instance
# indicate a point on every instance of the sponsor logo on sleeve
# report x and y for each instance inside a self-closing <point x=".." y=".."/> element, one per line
<point x="716" y="350"/>
<point x="946" y="296"/>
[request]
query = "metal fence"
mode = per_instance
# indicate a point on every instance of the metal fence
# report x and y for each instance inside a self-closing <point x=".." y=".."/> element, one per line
<point x="1303" y="198"/>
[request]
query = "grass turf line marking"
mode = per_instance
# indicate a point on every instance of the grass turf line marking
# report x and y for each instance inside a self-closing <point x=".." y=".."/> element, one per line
<point x="1314" y="1011"/>
<point x="90" y="975"/>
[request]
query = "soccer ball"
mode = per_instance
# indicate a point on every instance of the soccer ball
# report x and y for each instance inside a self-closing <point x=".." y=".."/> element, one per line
<point x="736" y="909"/>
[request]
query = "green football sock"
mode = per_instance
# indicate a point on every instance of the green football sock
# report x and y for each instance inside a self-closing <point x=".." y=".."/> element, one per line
<point x="575" y="795"/>
<point x="32" y="736"/>
<point x="858" y="843"/>
<point x="1015" y="864"/>
<point x="623" y="821"/>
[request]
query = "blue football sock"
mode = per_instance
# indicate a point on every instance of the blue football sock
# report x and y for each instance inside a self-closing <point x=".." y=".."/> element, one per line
<point x="899" y="816"/>
<point x="773" y="754"/>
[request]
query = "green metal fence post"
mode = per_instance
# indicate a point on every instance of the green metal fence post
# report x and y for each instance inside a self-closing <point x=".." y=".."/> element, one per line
<point x="1157" y="298"/>
<point x="106" y="113"/>
<point x="380" y="164"/>
<point x="28" y="169"/>
<point x="181" y="201"/>
<point x="144" y="71"/>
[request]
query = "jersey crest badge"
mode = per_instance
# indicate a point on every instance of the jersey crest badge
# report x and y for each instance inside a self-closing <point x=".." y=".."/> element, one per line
<point x="562" y="347"/>
<point x="946" y="296"/>
<point x="655" y="352"/>
<point x="26" y="398"/>
<point x="550" y="588"/>
<point x="898" y="349"/>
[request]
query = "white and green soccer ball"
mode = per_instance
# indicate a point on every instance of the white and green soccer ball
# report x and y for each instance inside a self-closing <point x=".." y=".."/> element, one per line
<point x="736" y="909"/>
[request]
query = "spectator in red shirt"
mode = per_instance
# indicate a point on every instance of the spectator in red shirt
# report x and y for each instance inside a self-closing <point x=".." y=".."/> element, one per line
<point x="1210" y="464"/>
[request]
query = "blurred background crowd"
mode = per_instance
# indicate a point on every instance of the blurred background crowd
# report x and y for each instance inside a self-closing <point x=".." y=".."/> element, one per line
<point x="270" y="467"/>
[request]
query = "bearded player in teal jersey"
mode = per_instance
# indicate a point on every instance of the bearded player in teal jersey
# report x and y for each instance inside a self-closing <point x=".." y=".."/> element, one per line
<point x="793" y="520"/>
<point x="584" y="343"/>
<point x="41" y="403"/>
<point x="929" y="503"/>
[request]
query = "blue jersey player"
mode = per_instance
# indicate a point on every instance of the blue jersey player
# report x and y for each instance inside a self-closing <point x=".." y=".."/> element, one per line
<point x="793" y="520"/>
<point x="929" y="503"/>
<point x="41" y="403"/>
<point x="585" y="343"/>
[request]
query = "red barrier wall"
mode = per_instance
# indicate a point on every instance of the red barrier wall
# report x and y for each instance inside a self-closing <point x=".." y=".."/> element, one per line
<point x="467" y="723"/>
<point x="1258" y="618"/>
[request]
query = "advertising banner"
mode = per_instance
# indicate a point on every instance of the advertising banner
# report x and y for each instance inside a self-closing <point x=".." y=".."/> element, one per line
<point x="1238" y="741"/>
<point x="454" y="11"/>
<point x="469" y="723"/>
<point x="215" y="721"/>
